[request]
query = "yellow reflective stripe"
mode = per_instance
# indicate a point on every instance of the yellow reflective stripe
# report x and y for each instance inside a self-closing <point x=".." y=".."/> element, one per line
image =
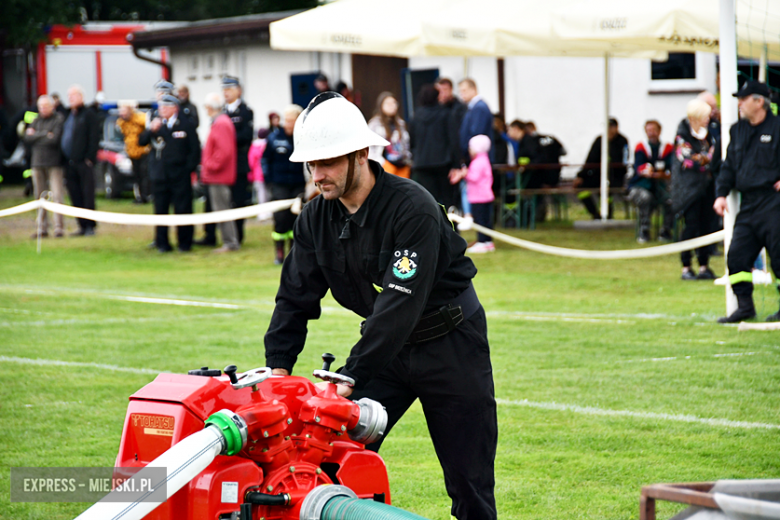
<point x="278" y="236"/>
<point x="583" y="195"/>
<point x="523" y="161"/>
<point x="27" y="174"/>
<point x="378" y="288"/>
<point x="289" y="235"/>
<point x="29" y="117"/>
<point x="740" y="277"/>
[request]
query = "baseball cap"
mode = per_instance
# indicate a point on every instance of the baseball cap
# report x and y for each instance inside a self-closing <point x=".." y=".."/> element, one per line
<point x="753" y="87"/>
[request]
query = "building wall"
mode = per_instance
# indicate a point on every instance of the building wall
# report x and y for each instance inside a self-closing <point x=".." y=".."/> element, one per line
<point x="563" y="96"/>
<point x="264" y="74"/>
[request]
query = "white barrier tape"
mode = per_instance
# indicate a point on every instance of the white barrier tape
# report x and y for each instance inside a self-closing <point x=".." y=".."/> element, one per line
<point x="152" y="220"/>
<point x="599" y="255"/>
<point x="22" y="208"/>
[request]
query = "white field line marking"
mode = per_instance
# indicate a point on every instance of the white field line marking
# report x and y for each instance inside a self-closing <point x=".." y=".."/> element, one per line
<point x="58" y="363"/>
<point x="530" y="317"/>
<point x="680" y="358"/>
<point x="109" y="321"/>
<point x="183" y="303"/>
<point x="589" y="410"/>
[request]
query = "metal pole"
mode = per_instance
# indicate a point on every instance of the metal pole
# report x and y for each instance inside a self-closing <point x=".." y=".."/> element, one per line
<point x="762" y="65"/>
<point x="605" y="144"/>
<point x="728" y="116"/>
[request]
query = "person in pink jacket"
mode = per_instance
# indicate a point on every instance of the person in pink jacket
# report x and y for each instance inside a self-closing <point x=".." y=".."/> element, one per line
<point x="479" y="188"/>
<point x="218" y="167"/>
<point x="256" y="171"/>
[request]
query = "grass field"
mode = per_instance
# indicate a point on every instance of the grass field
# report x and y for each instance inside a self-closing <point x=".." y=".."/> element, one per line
<point x="609" y="375"/>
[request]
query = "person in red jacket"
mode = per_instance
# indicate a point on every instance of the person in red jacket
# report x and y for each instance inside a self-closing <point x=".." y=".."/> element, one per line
<point x="218" y="167"/>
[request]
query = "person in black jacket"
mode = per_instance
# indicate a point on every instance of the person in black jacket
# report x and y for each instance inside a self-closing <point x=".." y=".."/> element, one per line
<point x="243" y="119"/>
<point x="752" y="167"/>
<point x="284" y="178"/>
<point x="385" y="250"/>
<point x="693" y="187"/>
<point x="185" y="105"/>
<point x="590" y="174"/>
<point x="175" y="154"/>
<point x="80" y="139"/>
<point x="433" y="152"/>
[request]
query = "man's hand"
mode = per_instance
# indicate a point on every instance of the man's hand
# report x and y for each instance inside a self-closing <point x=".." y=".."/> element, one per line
<point x="31" y="131"/>
<point x="456" y="175"/>
<point x="155" y="125"/>
<point x="777" y="186"/>
<point x="280" y="372"/>
<point x="721" y="206"/>
<point x="647" y="172"/>
<point x="342" y="390"/>
<point x="576" y="182"/>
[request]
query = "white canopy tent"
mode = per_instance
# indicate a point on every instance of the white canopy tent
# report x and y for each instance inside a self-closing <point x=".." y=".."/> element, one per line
<point x="553" y="28"/>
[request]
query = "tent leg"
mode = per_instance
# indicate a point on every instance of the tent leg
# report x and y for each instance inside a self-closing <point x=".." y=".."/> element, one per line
<point x="728" y="116"/>
<point x="605" y="144"/>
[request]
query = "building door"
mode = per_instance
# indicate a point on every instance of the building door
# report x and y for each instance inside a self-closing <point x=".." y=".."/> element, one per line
<point x="372" y="75"/>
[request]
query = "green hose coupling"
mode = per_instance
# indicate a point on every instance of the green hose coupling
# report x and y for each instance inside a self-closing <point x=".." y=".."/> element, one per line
<point x="233" y="429"/>
<point x="336" y="502"/>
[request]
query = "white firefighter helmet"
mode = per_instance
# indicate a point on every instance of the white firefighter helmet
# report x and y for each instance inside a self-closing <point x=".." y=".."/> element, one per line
<point x="331" y="127"/>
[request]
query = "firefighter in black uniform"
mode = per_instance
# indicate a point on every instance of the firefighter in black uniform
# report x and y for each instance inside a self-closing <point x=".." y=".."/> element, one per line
<point x="175" y="154"/>
<point x="752" y="167"/>
<point x="386" y="250"/>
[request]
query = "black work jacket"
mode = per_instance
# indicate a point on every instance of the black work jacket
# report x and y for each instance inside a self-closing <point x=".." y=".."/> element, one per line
<point x="394" y="260"/>
<point x="86" y="136"/>
<point x="752" y="164"/>
<point x="243" y="120"/>
<point x="180" y="150"/>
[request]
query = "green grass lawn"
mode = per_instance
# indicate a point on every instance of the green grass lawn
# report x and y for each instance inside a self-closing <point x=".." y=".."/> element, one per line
<point x="605" y="371"/>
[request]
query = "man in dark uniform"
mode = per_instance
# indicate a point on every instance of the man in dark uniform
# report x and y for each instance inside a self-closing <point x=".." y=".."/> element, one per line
<point x="175" y="153"/>
<point x="386" y="250"/>
<point x="185" y="105"/>
<point x="752" y="167"/>
<point x="590" y="174"/>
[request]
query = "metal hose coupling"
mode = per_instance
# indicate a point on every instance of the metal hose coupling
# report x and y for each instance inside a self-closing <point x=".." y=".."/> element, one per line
<point x="315" y="501"/>
<point x="372" y="423"/>
<point x="233" y="429"/>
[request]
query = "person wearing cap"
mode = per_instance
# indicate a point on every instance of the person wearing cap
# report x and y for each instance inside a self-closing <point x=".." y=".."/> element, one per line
<point x="386" y="250"/>
<point x="752" y="167"/>
<point x="131" y="123"/>
<point x="161" y="88"/>
<point x="243" y="119"/>
<point x="175" y="154"/>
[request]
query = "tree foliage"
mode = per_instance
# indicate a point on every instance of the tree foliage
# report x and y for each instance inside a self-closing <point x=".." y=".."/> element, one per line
<point x="23" y="22"/>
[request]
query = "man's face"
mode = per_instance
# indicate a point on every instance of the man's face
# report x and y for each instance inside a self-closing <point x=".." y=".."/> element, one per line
<point x="466" y="92"/>
<point x="653" y="132"/>
<point x="612" y="132"/>
<point x="445" y="93"/>
<point x="231" y="94"/>
<point x="45" y="108"/>
<point x="330" y="176"/>
<point x="184" y="94"/>
<point x="515" y="133"/>
<point x="167" y="111"/>
<point x="749" y="106"/>
<point x="125" y="112"/>
<point x="75" y="99"/>
<point x="320" y="85"/>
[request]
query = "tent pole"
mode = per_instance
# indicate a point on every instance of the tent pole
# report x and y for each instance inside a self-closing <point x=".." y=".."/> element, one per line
<point x="728" y="116"/>
<point x="605" y="144"/>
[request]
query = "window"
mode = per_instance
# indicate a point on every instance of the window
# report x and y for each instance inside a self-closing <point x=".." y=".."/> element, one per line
<point x="680" y="65"/>
<point x="208" y="66"/>
<point x="192" y="71"/>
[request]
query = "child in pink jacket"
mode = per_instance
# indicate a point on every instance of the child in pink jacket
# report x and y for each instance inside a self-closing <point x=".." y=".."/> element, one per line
<point x="479" y="188"/>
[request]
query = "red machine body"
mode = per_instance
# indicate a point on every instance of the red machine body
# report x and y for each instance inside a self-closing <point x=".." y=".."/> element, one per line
<point x="296" y="440"/>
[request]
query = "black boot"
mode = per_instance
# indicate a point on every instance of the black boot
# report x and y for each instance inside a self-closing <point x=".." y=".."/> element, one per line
<point x="279" y="259"/>
<point x="745" y="310"/>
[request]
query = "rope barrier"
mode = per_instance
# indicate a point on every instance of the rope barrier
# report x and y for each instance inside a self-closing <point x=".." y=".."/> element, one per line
<point x="271" y="207"/>
<point x="599" y="255"/>
<point x="213" y="217"/>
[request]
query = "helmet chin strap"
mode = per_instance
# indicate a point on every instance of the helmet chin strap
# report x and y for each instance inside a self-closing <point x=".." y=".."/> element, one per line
<point x="350" y="172"/>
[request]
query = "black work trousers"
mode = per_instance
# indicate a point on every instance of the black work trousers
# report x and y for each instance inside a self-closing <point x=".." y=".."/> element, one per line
<point x="699" y="221"/>
<point x="437" y="182"/>
<point x="453" y="378"/>
<point x="176" y="193"/>
<point x="142" y="185"/>
<point x="756" y="227"/>
<point x="284" y="219"/>
<point x="80" y="181"/>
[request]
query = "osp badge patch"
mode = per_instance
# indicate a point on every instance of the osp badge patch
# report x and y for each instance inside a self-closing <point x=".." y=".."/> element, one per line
<point x="405" y="266"/>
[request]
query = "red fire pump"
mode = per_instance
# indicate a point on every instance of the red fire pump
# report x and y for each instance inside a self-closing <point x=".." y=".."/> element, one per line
<point x="272" y="448"/>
